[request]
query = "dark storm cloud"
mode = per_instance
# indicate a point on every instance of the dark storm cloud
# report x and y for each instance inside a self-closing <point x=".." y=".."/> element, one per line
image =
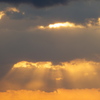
<point x="37" y="3"/>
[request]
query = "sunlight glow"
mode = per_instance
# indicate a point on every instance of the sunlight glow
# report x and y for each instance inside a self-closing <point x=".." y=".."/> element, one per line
<point x="9" y="9"/>
<point x="61" y="25"/>
<point x="1" y="14"/>
<point x="74" y="67"/>
<point x="90" y="23"/>
<point x="26" y="64"/>
<point x="12" y="9"/>
<point x="77" y="69"/>
<point x="93" y="22"/>
<point x="66" y="24"/>
<point x="99" y="21"/>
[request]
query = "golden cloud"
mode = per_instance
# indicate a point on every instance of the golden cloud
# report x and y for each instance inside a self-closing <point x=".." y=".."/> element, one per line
<point x="12" y="9"/>
<point x="93" y="22"/>
<point x="61" y="25"/>
<point x="78" y="65"/>
<point x="48" y="77"/>
<point x="9" y="9"/>
<point x="90" y="23"/>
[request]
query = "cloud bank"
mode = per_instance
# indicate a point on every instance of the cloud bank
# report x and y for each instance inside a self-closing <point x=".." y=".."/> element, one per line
<point x="60" y="94"/>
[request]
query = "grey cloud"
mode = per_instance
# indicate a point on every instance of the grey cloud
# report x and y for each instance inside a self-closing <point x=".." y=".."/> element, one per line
<point x="78" y="12"/>
<point x="15" y="15"/>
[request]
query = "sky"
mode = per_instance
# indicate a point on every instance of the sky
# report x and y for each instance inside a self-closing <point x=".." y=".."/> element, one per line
<point x="49" y="49"/>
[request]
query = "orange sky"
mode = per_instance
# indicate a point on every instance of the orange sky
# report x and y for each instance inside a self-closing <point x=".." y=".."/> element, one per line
<point x="61" y="94"/>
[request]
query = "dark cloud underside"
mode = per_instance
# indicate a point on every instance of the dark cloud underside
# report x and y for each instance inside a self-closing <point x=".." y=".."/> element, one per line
<point x="38" y="3"/>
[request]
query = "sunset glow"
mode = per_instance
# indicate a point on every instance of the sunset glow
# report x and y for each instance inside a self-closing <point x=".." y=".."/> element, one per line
<point x="49" y="49"/>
